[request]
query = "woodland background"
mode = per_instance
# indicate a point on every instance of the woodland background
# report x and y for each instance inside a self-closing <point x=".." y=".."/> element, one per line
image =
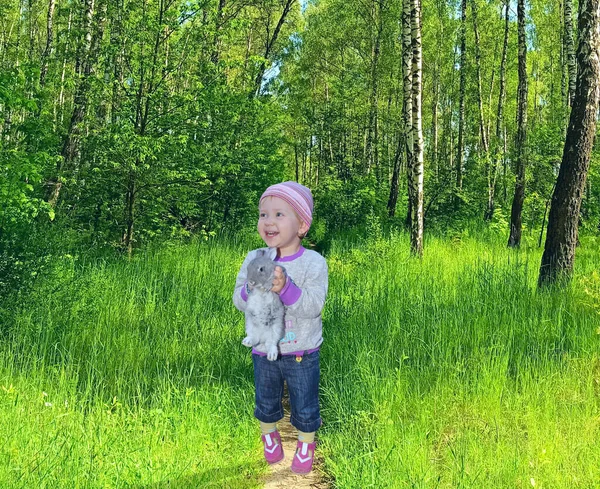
<point x="126" y="123"/>
<point x="136" y="137"/>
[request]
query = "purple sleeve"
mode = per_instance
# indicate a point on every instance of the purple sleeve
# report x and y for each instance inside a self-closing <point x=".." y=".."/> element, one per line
<point x="290" y="293"/>
<point x="244" y="294"/>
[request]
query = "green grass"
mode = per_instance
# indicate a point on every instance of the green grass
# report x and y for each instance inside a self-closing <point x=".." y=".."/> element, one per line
<point x="453" y="371"/>
<point x="130" y="375"/>
<point x="456" y="372"/>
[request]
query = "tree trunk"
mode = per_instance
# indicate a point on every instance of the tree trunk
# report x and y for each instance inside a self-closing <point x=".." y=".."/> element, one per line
<point x="561" y="237"/>
<point x="61" y="96"/>
<point x="407" y="112"/>
<point x="482" y="130"/>
<point x="492" y="175"/>
<point x="216" y="51"/>
<point x="130" y="213"/>
<point x="514" y="239"/>
<point x="461" y="102"/>
<point x="269" y="47"/>
<point x="416" y="172"/>
<point x="394" y="187"/>
<point x="569" y="49"/>
<point x="372" y="130"/>
<point x="70" y="150"/>
<point x="49" y="43"/>
<point x="435" y="103"/>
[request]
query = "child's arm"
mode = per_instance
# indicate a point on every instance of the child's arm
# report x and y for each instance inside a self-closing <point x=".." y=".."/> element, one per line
<point x="239" y="293"/>
<point x="307" y="301"/>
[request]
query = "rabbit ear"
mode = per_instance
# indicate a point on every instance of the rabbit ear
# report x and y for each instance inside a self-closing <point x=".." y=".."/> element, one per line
<point x="260" y="253"/>
<point x="272" y="253"/>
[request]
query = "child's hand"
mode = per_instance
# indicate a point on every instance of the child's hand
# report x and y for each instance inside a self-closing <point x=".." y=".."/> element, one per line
<point x="279" y="280"/>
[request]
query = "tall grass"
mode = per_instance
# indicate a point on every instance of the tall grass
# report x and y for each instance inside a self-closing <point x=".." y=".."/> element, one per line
<point x="130" y="374"/>
<point x="453" y="371"/>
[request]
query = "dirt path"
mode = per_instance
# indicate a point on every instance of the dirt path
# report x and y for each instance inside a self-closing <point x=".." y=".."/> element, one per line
<point x="281" y="477"/>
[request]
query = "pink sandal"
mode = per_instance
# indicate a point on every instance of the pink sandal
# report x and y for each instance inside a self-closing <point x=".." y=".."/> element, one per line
<point x="273" y="448"/>
<point x="303" y="459"/>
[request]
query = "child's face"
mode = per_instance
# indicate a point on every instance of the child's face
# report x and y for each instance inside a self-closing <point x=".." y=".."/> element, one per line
<point x="279" y="226"/>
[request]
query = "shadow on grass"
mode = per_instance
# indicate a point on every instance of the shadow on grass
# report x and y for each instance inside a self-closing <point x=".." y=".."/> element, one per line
<point x="235" y="477"/>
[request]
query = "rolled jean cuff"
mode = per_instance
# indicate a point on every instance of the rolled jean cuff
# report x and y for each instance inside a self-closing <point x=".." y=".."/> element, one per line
<point x="304" y="426"/>
<point x="268" y="418"/>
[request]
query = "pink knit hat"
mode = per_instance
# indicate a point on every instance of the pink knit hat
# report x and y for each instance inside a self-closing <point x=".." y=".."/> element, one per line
<point x="296" y="195"/>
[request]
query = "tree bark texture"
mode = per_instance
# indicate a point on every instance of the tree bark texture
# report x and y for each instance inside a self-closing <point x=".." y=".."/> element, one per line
<point x="516" y="226"/>
<point x="569" y="49"/>
<point x="482" y="130"/>
<point x="70" y="150"/>
<point x="492" y="175"/>
<point x="407" y="111"/>
<point x="561" y="237"/>
<point x="49" y="43"/>
<point x="461" y="102"/>
<point x="372" y="151"/>
<point x="416" y="171"/>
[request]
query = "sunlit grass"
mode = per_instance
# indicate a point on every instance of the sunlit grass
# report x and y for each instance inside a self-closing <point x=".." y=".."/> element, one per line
<point x="457" y="372"/>
<point x="131" y="374"/>
<point x="453" y="371"/>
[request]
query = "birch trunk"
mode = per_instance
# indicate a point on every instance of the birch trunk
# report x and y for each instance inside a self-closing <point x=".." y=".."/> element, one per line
<point x="372" y="154"/>
<point x="70" y="150"/>
<point x="435" y="103"/>
<point x="482" y="131"/>
<point x="49" y="43"/>
<point x="61" y="96"/>
<point x="492" y="175"/>
<point x="407" y="111"/>
<point x="461" y="102"/>
<point x="561" y="239"/>
<point x="569" y="49"/>
<point x="416" y="172"/>
<point x="216" y="52"/>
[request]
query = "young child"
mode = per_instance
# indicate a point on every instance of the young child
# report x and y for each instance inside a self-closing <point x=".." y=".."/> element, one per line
<point x="285" y="216"/>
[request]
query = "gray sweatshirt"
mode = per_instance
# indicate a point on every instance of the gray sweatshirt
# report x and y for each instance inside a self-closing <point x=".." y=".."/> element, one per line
<point x="303" y="297"/>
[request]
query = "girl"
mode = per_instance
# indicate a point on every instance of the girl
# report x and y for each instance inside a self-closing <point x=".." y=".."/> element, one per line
<point x="285" y="216"/>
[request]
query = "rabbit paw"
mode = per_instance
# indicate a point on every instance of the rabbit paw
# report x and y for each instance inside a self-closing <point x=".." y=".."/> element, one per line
<point x="272" y="353"/>
<point x="247" y="341"/>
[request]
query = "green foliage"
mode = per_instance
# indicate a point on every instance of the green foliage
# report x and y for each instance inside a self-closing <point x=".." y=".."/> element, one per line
<point x="346" y="204"/>
<point x="172" y="141"/>
<point x="590" y="215"/>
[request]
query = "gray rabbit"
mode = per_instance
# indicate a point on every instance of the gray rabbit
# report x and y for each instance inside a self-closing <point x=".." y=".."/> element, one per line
<point x="264" y="310"/>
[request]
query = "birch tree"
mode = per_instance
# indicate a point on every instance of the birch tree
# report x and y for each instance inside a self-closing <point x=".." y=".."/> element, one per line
<point x="415" y="171"/>
<point x="49" y="42"/>
<point x="569" y="50"/>
<point x="69" y="161"/>
<point x="482" y="129"/>
<point x="372" y="146"/>
<point x="407" y="111"/>
<point x="492" y="168"/>
<point x="461" y="102"/>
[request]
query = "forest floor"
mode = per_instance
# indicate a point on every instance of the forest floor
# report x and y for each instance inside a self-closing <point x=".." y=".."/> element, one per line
<point x="280" y="475"/>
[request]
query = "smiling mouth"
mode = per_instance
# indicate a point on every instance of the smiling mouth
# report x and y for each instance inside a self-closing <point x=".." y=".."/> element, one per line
<point x="271" y="234"/>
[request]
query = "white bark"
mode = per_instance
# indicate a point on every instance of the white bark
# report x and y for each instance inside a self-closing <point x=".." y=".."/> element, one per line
<point x="416" y="170"/>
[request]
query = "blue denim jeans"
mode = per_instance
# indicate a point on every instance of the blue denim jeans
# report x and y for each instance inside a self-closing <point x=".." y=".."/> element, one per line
<point x="302" y="379"/>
